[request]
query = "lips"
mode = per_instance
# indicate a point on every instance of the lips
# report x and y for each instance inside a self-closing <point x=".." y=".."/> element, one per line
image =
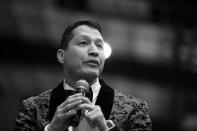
<point x="93" y="62"/>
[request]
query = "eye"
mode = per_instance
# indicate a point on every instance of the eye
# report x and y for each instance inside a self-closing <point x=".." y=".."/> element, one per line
<point x="83" y="43"/>
<point x="99" y="45"/>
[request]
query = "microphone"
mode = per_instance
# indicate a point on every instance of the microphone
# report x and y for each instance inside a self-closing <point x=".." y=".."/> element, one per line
<point x="81" y="86"/>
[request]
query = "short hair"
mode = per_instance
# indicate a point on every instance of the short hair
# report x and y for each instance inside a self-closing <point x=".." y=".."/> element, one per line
<point x="68" y="34"/>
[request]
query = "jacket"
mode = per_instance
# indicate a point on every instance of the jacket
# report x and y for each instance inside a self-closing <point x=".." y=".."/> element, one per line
<point x="127" y="112"/>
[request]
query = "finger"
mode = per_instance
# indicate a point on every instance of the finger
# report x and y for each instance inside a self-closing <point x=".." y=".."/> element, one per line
<point x="86" y="100"/>
<point x="75" y="95"/>
<point x="71" y="106"/>
<point x="95" y="117"/>
<point x="62" y="115"/>
<point x="86" y="106"/>
<point x="69" y="114"/>
<point x="71" y="99"/>
<point x="92" y="113"/>
<point x="95" y="113"/>
<point x="91" y="118"/>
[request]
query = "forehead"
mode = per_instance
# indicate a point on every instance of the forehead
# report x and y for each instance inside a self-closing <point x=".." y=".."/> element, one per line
<point x="84" y="30"/>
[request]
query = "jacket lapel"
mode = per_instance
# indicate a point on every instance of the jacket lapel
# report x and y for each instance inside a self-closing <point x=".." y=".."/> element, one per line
<point x="105" y="99"/>
<point x="57" y="97"/>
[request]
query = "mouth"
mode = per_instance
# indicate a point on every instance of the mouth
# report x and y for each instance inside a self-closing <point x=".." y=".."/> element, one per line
<point x="93" y="63"/>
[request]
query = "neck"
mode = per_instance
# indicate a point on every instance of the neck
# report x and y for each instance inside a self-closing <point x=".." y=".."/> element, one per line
<point x="71" y="82"/>
<point x="91" y="82"/>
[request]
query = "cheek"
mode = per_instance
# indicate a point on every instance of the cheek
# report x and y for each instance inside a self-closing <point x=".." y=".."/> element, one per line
<point x="76" y="55"/>
<point x="102" y="59"/>
<point x="72" y="58"/>
<point x="77" y="58"/>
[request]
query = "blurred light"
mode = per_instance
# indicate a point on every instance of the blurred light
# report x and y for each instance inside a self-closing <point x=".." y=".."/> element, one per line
<point x="107" y="50"/>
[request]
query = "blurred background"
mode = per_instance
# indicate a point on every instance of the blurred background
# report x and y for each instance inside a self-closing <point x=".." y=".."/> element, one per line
<point x="154" y="53"/>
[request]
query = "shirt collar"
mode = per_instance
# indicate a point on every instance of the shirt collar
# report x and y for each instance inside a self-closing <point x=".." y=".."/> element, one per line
<point x="95" y="87"/>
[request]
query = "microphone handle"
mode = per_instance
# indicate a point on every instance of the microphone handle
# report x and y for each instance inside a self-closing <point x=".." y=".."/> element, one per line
<point x="74" y="120"/>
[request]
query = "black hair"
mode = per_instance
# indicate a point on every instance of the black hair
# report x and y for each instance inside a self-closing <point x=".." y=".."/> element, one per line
<point x="67" y="35"/>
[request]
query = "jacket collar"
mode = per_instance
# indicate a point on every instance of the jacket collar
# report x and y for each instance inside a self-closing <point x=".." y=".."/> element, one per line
<point x="104" y="100"/>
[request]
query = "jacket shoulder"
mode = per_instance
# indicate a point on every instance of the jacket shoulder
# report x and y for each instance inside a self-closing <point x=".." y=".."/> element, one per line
<point x="33" y="112"/>
<point x="40" y="99"/>
<point x="125" y="104"/>
<point x="130" y="113"/>
<point x="129" y="99"/>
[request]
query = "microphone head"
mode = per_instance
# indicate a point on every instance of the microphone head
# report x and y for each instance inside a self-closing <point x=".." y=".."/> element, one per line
<point x="81" y="85"/>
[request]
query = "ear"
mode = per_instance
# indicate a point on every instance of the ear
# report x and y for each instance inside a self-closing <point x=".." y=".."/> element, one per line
<point x="60" y="55"/>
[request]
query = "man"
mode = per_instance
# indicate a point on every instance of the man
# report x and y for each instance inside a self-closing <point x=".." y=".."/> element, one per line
<point x="82" y="56"/>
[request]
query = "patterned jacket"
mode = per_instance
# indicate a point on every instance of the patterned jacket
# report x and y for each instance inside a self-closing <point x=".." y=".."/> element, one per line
<point x="127" y="112"/>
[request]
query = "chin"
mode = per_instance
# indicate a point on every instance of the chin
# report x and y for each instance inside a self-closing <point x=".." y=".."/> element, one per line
<point x="90" y="74"/>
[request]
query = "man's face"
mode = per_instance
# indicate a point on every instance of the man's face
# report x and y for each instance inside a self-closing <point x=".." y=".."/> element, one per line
<point x="84" y="58"/>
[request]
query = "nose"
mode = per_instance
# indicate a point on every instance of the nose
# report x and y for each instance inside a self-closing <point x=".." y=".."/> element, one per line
<point x="93" y="50"/>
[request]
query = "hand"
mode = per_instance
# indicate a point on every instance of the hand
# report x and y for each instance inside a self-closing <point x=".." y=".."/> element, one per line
<point x="94" y="116"/>
<point x="64" y="111"/>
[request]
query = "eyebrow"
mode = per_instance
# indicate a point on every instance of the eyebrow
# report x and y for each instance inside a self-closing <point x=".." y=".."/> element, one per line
<point x="99" y="40"/>
<point x="96" y="40"/>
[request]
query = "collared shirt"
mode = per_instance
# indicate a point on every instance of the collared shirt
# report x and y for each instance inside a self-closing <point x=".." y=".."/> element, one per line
<point x="95" y="90"/>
